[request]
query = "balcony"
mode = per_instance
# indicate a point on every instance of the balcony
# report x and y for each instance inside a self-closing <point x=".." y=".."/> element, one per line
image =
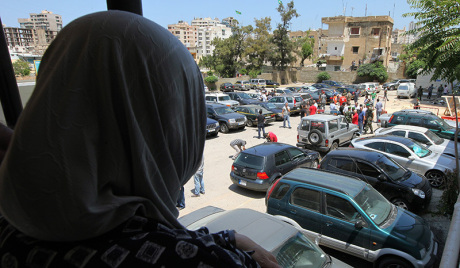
<point x="332" y="56"/>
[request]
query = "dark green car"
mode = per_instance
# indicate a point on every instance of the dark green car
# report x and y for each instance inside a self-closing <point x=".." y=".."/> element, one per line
<point x="252" y="111"/>
<point x="422" y="118"/>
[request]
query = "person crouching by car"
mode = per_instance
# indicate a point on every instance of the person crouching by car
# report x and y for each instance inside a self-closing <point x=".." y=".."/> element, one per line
<point x="239" y="146"/>
<point x="271" y="137"/>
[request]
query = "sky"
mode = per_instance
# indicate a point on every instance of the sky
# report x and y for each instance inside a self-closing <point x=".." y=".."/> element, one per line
<point x="171" y="11"/>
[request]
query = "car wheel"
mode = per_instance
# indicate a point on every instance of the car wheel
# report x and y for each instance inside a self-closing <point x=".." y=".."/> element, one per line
<point x="398" y="97"/>
<point x="314" y="164"/>
<point x="436" y="178"/>
<point x="355" y="135"/>
<point x="393" y="262"/>
<point x="224" y="128"/>
<point x="399" y="202"/>
<point x="315" y="137"/>
<point x="250" y="123"/>
<point x="392" y="88"/>
<point x="334" y="146"/>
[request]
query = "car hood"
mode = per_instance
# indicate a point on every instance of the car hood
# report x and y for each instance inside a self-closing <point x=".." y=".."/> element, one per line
<point x="413" y="180"/>
<point x="210" y="121"/>
<point x="411" y="228"/>
<point x="441" y="161"/>
<point x="230" y="102"/>
<point x="251" y="101"/>
<point x="231" y="115"/>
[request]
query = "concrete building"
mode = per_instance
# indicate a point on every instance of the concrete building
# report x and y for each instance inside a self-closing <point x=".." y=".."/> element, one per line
<point x="356" y="39"/>
<point x="186" y="33"/>
<point x="205" y="22"/>
<point x="45" y="20"/>
<point x="207" y="34"/>
<point x="315" y="35"/>
<point x="34" y="41"/>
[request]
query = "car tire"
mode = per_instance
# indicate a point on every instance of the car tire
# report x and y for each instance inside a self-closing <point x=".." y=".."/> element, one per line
<point x="392" y="88"/>
<point x="436" y="178"/>
<point x="315" y="137"/>
<point x="249" y="123"/>
<point x="224" y="128"/>
<point x="400" y="202"/>
<point x="334" y="146"/>
<point x="392" y="261"/>
<point x="355" y="135"/>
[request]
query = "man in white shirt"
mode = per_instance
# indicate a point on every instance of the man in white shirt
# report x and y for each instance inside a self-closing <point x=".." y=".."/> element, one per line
<point x="264" y="97"/>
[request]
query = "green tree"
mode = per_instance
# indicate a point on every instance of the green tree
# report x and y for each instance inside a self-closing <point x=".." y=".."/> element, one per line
<point x="258" y="44"/>
<point x="414" y="67"/>
<point x="323" y="76"/>
<point x="21" y="68"/>
<point x="306" y="48"/>
<point x="282" y="55"/>
<point x="208" y="62"/>
<point x="375" y="71"/>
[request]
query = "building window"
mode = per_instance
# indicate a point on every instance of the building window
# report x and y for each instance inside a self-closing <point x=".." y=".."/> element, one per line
<point x="355" y="50"/>
<point x="354" y="30"/>
<point x="335" y="48"/>
<point x="375" y="31"/>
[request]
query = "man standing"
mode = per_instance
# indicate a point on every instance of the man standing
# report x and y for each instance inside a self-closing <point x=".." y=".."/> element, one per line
<point x="198" y="178"/>
<point x="323" y="98"/>
<point x="430" y="91"/>
<point x="439" y="93"/>
<point x="271" y="137"/>
<point x="356" y="97"/>
<point x="239" y="146"/>
<point x="360" y="120"/>
<point x="342" y="99"/>
<point x="303" y="111"/>
<point x="333" y="108"/>
<point x="286" y="115"/>
<point x="446" y="91"/>
<point x="264" y="97"/>
<point x="348" y="115"/>
<point x="385" y="94"/>
<point x="354" y="119"/>
<point x="378" y="109"/>
<point x="349" y="97"/>
<point x="342" y="108"/>
<point x="368" y="118"/>
<point x="312" y="109"/>
<point x="180" y="204"/>
<point x="420" y="92"/>
<point x="260" y="123"/>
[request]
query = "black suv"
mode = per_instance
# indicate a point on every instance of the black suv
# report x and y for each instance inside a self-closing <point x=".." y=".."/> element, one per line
<point x="242" y="98"/>
<point x="227" y="87"/>
<point x="422" y="118"/>
<point x="271" y="83"/>
<point x="402" y="187"/>
<point x="227" y="118"/>
<point x="257" y="167"/>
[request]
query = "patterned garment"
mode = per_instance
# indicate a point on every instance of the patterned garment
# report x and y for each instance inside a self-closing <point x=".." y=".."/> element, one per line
<point x="139" y="242"/>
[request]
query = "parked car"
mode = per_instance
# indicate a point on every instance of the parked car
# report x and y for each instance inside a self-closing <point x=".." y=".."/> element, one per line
<point x="212" y="127"/>
<point x="272" y="108"/>
<point x="406" y="90"/>
<point x="271" y="84"/>
<point x="344" y="90"/>
<point x="423" y="136"/>
<point x="368" y="87"/>
<point x="221" y="99"/>
<point x="257" y="167"/>
<point x="395" y="83"/>
<point x="257" y="83"/>
<point x="349" y="215"/>
<point x="281" y="91"/>
<point x="329" y="94"/>
<point x="310" y="88"/>
<point x="419" y="118"/>
<point x="255" y="95"/>
<point x="411" y="155"/>
<point x="321" y="86"/>
<point x="227" y="87"/>
<point x="333" y="83"/>
<point x="252" y="111"/>
<point x="227" y="118"/>
<point x="293" y="102"/>
<point x="400" y="186"/>
<point x="243" y="85"/>
<point x="287" y="243"/>
<point x="324" y="132"/>
<point x="242" y="98"/>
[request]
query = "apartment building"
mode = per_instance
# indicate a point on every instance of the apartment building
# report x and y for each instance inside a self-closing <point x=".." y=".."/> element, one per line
<point x="205" y="22"/>
<point x="356" y="39"/>
<point x="44" y="20"/>
<point x="207" y="34"/>
<point x="34" y="41"/>
<point x="186" y="33"/>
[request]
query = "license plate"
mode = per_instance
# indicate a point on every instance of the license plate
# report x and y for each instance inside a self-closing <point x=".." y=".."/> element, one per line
<point x="242" y="182"/>
<point x="240" y="123"/>
<point x="211" y="130"/>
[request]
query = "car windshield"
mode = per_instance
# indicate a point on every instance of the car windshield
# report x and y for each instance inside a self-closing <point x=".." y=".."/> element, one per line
<point x="255" y="110"/>
<point x="420" y="150"/>
<point x="287" y="91"/>
<point x="391" y="168"/>
<point x="244" y="96"/>
<point x="377" y="207"/>
<point x="223" y="110"/>
<point x="443" y="123"/>
<point x="224" y="98"/>
<point x="435" y="138"/>
<point x="402" y="87"/>
<point x="300" y="252"/>
<point x="270" y="105"/>
<point x="250" y="161"/>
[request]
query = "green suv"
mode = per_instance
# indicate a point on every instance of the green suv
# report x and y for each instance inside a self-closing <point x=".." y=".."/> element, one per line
<point x="347" y="214"/>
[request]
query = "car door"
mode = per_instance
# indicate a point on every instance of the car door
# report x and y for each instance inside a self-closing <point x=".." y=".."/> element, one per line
<point x="283" y="162"/>
<point x="341" y="165"/>
<point x="418" y="137"/>
<point x="336" y="132"/>
<point x="211" y="113"/>
<point x="369" y="173"/>
<point x="338" y="228"/>
<point x="299" y="158"/>
<point x="275" y="100"/>
<point x="399" y="154"/>
<point x="414" y="121"/>
<point x="304" y="206"/>
<point x="304" y="129"/>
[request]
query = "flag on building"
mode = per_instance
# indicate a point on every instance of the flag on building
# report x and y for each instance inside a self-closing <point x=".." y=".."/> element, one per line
<point x="238" y="12"/>
<point x="280" y="2"/>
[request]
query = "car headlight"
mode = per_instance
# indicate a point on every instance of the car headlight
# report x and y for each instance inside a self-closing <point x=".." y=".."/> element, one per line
<point x="280" y="114"/>
<point x="245" y="119"/>
<point x="418" y="193"/>
<point x="231" y="120"/>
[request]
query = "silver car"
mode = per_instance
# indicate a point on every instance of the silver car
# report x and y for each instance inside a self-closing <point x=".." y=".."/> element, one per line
<point x="411" y="155"/>
<point x="284" y="240"/>
<point x="422" y="135"/>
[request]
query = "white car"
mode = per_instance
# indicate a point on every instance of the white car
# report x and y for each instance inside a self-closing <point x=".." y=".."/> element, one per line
<point x="406" y="90"/>
<point x="289" y="245"/>
<point x="422" y="135"/>
<point x="411" y="155"/>
<point x="221" y="99"/>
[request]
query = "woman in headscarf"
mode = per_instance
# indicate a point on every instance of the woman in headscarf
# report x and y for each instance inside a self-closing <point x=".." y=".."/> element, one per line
<point x="101" y="150"/>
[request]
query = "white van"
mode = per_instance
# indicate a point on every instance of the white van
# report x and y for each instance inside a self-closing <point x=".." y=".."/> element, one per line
<point x="258" y="83"/>
<point x="407" y="90"/>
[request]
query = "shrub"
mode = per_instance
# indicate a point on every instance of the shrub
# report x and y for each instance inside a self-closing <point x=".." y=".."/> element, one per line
<point x="211" y="79"/>
<point x="323" y="76"/>
<point x="210" y="73"/>
<point x="21" y="68"/>
<point x="413" y="67"/>
<point x="243" y="71"/>
<point x="254" y="73"/>
<point x="450" y="194"/>
<point x="375" y="71"/>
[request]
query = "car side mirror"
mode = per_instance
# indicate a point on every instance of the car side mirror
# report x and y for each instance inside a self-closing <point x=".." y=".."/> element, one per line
<point x="410" y="157"/>
<point x="360" y="224"/>
<point x="429" y="143"/>
<point x="382" y="177"/>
